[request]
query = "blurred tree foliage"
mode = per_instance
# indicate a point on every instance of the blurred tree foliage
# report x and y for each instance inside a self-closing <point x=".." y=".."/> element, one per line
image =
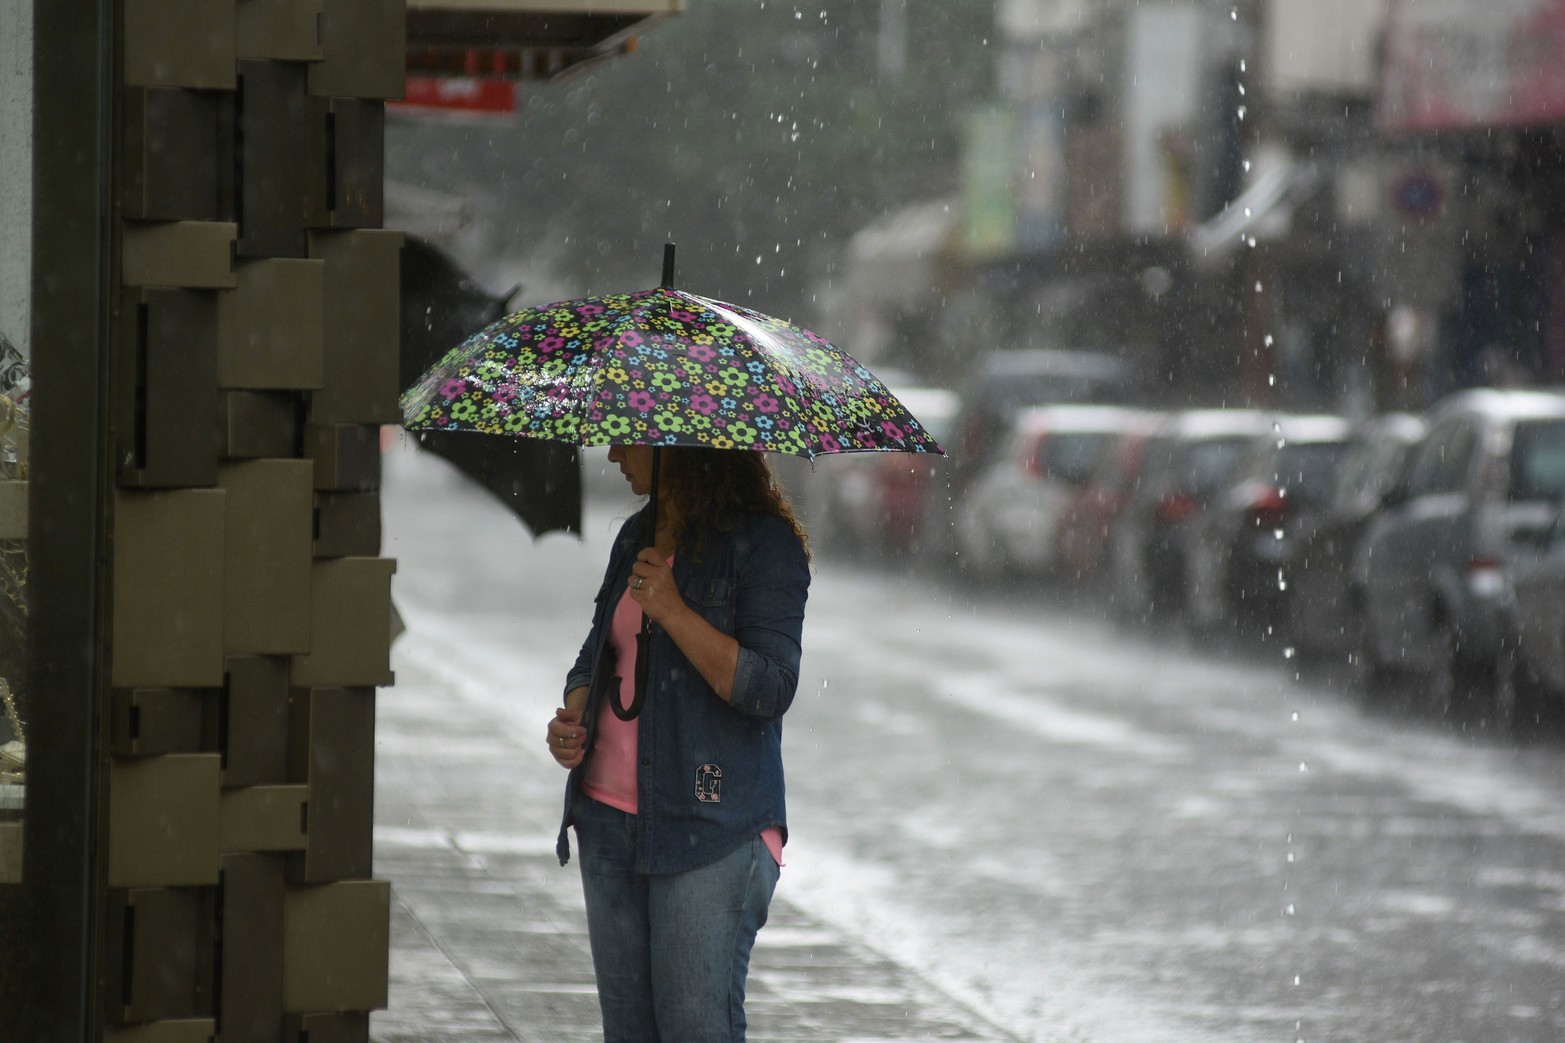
<point x="757" y="135"/>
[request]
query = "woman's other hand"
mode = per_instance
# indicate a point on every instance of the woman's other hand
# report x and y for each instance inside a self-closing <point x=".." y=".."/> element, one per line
<point x="567" y="737"/>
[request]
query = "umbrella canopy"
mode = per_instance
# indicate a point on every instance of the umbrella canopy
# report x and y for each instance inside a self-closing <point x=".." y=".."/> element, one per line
<point x="540" y="482"/>
<point x="662" y="367"/>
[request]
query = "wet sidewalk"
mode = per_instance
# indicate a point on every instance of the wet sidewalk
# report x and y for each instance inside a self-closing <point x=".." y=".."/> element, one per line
<point x="488" y="933"/>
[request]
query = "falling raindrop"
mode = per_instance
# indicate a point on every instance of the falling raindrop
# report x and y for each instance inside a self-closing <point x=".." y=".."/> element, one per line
<point x="1304" y="769"/>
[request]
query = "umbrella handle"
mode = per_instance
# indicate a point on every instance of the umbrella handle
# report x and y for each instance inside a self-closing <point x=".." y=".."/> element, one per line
<point x="644" y="637"/>
<point x="631" y="712"/>
<point x="651" y="535"/>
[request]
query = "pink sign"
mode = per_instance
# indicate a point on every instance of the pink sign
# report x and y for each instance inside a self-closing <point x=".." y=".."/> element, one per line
<point x="1459" y="64"/>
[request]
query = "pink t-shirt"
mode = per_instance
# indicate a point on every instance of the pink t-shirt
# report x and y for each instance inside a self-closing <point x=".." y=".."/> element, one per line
<point x="609" y="776"/>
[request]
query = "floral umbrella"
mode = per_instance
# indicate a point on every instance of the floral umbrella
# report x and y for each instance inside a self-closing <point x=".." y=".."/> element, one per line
<point x="661" y="367"/>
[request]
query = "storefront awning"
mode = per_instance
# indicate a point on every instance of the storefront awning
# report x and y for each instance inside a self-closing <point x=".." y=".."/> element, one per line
<point x="523" y="39"/>
<point x="1263" y="212"/>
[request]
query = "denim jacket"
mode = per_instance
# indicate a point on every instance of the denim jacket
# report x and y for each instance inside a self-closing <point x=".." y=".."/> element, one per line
<point x="710" y="775"/>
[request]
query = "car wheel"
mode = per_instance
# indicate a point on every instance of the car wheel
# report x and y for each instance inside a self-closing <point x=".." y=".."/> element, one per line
<point x="976" y="553"/>
<point x="1370" y="677"/>
<point x="1127" y="589"/>
<point x="1460" y="687"/>
<point x="1203" y="615"/>
<point x="1523" y="702"/>
<point x="1311" y="662"/>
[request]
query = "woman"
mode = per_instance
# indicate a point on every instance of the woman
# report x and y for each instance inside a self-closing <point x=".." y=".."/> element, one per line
<point x="679" y="813"/>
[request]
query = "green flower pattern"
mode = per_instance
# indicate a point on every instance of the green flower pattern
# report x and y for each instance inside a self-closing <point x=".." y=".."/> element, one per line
<point x="662" y="367"/>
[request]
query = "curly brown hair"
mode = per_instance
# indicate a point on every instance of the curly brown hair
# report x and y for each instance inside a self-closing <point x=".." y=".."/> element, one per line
<point x="718" y="487"/>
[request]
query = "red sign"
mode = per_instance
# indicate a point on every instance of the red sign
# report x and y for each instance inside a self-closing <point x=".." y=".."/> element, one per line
<point x="1455" y="64"/>
<point x="458" y="95"/>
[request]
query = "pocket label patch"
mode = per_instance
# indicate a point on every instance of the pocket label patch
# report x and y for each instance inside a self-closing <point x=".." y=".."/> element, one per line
<point x="709" y="784"/>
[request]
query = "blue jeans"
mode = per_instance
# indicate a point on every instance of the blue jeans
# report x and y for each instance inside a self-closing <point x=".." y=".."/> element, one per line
<point x="671" y="952"/>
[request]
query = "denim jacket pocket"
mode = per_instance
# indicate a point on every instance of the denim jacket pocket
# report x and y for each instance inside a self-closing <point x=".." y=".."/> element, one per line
<point x="713" y="598"/>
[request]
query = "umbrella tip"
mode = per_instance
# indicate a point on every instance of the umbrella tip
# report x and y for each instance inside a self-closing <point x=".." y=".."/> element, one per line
<point x="668" y="266"/>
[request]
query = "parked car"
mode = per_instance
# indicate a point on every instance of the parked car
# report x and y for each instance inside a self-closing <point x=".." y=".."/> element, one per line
<point x="1240" y="548"/>
<point x="1003" y="383"/>
<point x="876" y="501"/>
<point x="1008" y="519"/>
<point x="1327" y="536"/>
<point x="1187" y="462"/>
<point x="1086" y="529"/>
<point x="1429" y="592"/>
<point x="1008" y="381"/>
<point x="1531" y="675"/>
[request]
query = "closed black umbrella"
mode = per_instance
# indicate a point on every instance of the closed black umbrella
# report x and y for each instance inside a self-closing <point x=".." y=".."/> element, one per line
<point x="539" y="481"/>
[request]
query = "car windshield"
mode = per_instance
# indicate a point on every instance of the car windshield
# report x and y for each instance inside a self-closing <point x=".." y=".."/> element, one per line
<point x="1035" y="389"/>
<point x="941" y="426"/>
<point x="1368" y="470"/>
<point x="1212" y="460"/>
<point x="1538" y="461"/>
<point x="1071" y="455"/>
<point x="1306" y="469"/>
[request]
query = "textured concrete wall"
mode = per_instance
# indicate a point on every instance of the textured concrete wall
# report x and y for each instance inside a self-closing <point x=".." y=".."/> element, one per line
<point x="254" y="356"/>
<point x="16" y="163"/>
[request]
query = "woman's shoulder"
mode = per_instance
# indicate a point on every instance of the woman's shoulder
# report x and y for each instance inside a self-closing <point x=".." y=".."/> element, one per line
<point x="764" y="524"/>
<point x="769" y="530"/>
<point x="635" y="525"/>
<point x="629" y="538"/>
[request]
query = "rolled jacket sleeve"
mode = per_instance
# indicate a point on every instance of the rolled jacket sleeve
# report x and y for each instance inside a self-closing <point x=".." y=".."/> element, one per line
<point x="580" y="674"/>
<point x="773" y="584"/>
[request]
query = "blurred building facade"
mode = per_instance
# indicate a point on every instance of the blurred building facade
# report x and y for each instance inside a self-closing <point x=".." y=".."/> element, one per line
<point x="1343" y="204"/>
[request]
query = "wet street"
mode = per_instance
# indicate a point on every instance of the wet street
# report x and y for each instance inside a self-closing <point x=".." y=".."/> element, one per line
<point x="1060" y="829"/>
